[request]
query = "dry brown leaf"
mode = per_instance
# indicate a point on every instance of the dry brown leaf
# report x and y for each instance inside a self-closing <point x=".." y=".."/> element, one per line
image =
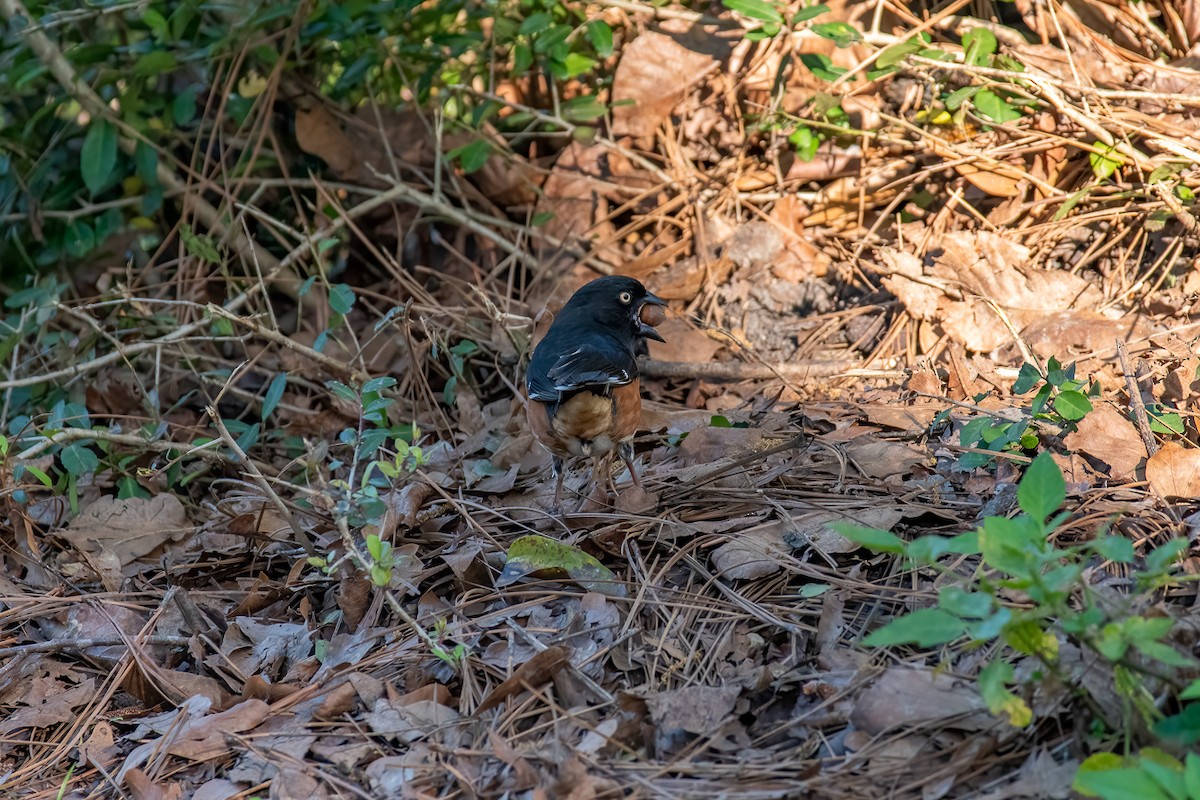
<point x="142" y="787"/>
<point x="207" y="737"/>
<point x="129" y="528"/>
<point x="997" y="178"/>
<point x="576" y="193"/>
<point x="752" y="553"/>
<point x="1174" y="471"/>
<point x="880" y="458"/>
<point x="412" y="722"/>
<point x="978" y="269"/>
<point x="904" y="696"/>
<point x="684" y="343"/>
<point x="693" y="709"/>
<point x="1106" y="434"/>
<point x="708" y="445"/>
<point x="815" y="529"/>
<point x="655" y="73"/>
<point x="48" y="702"/>
<point x="530" y="675"/>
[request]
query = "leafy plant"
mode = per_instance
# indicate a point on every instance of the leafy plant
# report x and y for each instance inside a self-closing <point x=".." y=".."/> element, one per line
<point x="1061" y="400"/>
<point x="360" y="501"/>
<point x="1027" y="594"/>
<point x="72" y="182"/>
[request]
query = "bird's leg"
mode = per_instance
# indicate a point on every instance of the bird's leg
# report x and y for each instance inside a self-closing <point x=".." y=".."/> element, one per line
<point x="556" y="466"/>
<point x="626" y="451"/>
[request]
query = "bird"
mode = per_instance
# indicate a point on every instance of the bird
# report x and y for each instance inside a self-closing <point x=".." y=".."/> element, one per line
<point x="583" y="388"/>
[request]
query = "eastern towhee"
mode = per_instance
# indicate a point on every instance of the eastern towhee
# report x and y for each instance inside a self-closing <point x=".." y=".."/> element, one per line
<point x="584" y="392"/>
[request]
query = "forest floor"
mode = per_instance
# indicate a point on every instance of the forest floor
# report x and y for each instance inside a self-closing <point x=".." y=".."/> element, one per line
<point x="297" y="540"/>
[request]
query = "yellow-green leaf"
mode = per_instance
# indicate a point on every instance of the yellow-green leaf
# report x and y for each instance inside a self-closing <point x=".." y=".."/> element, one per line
<point x="543" y="557"/>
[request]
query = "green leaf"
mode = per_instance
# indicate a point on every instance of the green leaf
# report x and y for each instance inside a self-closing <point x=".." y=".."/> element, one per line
<point x="154" y="62"/>
<point x="583" y="109"/>
<point x="42" y="477"/>
<point x="472" y="156"/>
<point x="979" y="45"/>
<point x="79" y="459"/>
<point x="805" y="142"/>
<point x="343" y="391"/>
<point x="1042" y="489"/>
<point x="994" y="107"/>
<point x="924" y="628"/>
<point x="249" y="437"/>
<point x="805" y="14"/>
<point x="1114" y="548"/>
<point x="601" y="37"/>
<point x="1116" y="784"/>
<point x="1165" y="555"/>
<point x="756" y="9"/>
<point x="813" y="589"/>
<point x="1165" y="654"/>
<point x="200" y="246"/>
<point x="1072" y="405"/>
<point x="379" y="384"/>
<point x="1027" y="378"/>
<point x="1191" y="775"/>
<point x="1028" y="637"/>
<point x="79" y="239"/>
<point x="842" y="34"/>
<point x="541" y="556"/>
<point x="1105" y="160"/>
<point x="871" y="538"/>
<point x="98" y="157"/>
<point x="895" y="54"/>
<point x="1008" y="545"/>
<point x="535" y="23"/>
<point x="1191" y="691"/>
<point x="576" y="64"/>
<point x="822" y="66"/>
<point x="341" y="298"/>
<point x="959" y="96"/>
<point x="768" y="30"/>
<point x="992" y="682"/>
<point x="183" y="106"/>
<point x="962" y="603"/>
<point x="274" y="394"/>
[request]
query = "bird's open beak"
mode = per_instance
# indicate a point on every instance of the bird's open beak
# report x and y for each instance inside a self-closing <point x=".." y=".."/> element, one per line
<point x="644" y="328"/>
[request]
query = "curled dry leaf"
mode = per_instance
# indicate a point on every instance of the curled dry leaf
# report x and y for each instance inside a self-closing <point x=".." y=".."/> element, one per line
<point x="693" y="709"/>
<point x="883" y="459"/>
<point x="753" y="553"/>
<point x="684" y="343"/>
<point x="1107" y="435"/>
<point x="905" y="696"/>
<point x="979" y="269"/>
<point x="655" y="72"/>
<point x="1174" y="471"/>
<point x="530" y="675"/>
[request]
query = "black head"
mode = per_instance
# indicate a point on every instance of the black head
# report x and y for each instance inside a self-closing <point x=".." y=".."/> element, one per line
<point x="617" y="301"/>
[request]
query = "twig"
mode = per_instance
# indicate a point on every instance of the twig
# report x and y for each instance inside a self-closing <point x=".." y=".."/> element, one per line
<point x="204" y="451"/>
<point x="272" y="335"/>
<point x="1135" y="401"/>
<point x="302" y="537"/>
<point x="53" y="645"/>
<point x="744" y="371"/>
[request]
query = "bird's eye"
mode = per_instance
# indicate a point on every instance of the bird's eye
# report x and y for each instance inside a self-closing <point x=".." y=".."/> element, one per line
<point x="625" y="297"/>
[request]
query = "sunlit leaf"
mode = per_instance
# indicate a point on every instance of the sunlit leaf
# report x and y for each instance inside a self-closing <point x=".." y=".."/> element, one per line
<point x="543" y="557"/>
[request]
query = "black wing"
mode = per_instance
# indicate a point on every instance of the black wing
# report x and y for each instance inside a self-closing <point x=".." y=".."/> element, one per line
<point x="590" y="364"/>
